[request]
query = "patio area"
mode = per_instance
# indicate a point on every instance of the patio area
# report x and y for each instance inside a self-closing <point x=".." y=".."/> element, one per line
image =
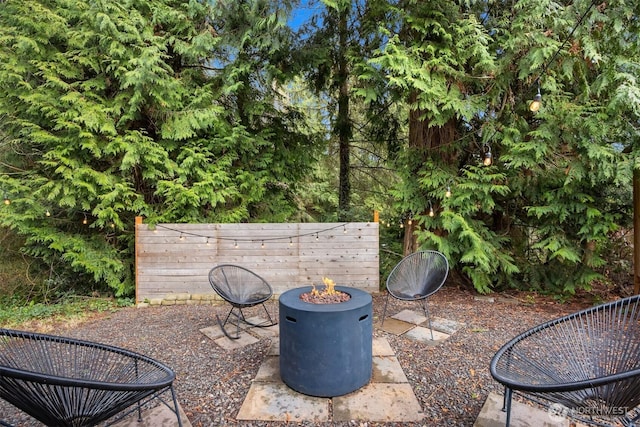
<point x="416" y="381"/>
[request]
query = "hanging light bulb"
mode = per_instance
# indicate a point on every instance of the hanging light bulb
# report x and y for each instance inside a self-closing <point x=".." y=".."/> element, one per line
<point x="448" y="192"/>
<point x="47" y="213"/>
<point x="262" y="245"/>
<point x="431" y="211"/>
<point x="488" y="157"/>
<point x="534" y="106"/>
<point x="290" y="242"/>
<point x="410" y="221"/>
<point x="344" y="229"/>
<point x="84" y="220"/>
<point x="7" y="200"/>
<point x="235" y="244"/>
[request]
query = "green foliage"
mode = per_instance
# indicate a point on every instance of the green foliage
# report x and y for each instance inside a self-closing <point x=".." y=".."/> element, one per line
<point x="559" y="188"/>
<point x="161" y="109"/>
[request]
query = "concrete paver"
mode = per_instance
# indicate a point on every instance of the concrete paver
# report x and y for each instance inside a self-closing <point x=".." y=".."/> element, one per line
<point x="522" y="415"/>
<point x="387" y="397"/>
<point x="410" y="316"/>
<point x="395" y="326"/>
<point x="382" y="402"/>
<point x="423" y="335"/>
<point x="159" y="416"/>
<point x="274" y="401"/>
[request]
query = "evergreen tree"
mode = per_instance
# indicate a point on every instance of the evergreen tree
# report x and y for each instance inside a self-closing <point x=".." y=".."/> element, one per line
<point x="164" y="109"/>
<point x="540" y="215"/>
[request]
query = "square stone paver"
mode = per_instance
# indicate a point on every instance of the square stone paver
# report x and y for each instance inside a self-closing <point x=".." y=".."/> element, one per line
<point x="212" y="332"/>
<point x="445" y="325"/>
<point x="387" y="369"/>
<point x="269" y="371"/>
<point x="229" y="344"/>
<point x="387" y="397"/>
<point x="159" y="416"/>
<point x="410" y="316"/>
<point x="379" y="402"/>
<point x="395" y="326"/>
<point x="274" y="401"/>
<point x="423" y="335"/>
<point x="381" y="347"/>
<point x="522" y="415"/>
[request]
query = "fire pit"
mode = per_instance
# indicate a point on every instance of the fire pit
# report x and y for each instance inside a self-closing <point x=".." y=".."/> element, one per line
<point x="325" y="348"/>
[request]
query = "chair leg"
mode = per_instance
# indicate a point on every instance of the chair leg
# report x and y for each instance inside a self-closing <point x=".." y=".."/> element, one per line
<point x="506" y="404"/>
<point x="425" y="308"/>
<point x="271" y="321"/>
<point x="222" y="324"/>
<point x="175" y="405"/>
<point x="384" y="312"/>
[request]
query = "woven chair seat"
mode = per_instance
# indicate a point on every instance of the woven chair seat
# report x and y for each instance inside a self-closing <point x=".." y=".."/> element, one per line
<point x="67" y="382"/>
<point x="588" y="362"/>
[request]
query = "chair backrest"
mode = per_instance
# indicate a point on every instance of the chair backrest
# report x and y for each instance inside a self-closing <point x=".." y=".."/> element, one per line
<point x="418" y="275"/>
<point x="239" y="285"/>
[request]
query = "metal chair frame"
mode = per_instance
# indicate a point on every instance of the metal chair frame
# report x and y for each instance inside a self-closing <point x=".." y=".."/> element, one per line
<point x="587" y="363"/>
<point x="242" y="288"/>
<point x="69" y="382"/>
<point x="422" y="272"/>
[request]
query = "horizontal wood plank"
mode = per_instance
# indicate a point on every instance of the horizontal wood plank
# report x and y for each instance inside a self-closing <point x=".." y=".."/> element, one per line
<point x="176" y="258"/>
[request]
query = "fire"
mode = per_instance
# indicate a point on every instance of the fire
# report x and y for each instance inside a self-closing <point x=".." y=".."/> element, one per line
<point x="329" y="288"/>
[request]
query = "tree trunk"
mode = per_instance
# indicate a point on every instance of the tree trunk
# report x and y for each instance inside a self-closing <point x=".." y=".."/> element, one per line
<point x="424" y="140"/>
<point x="343" y="123"/>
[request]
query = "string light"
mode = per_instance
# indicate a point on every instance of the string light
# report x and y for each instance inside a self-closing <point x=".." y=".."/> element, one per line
<point x="47" y="213"/>
<point x="7" y="200"/>
<point x="448" y="192"/>
<point x="431" y="211"/>
<point x="488" y="157"/>
<point x="184" y="234"/>
<point x="534" y="106"/>
<point x="84" y="220"/>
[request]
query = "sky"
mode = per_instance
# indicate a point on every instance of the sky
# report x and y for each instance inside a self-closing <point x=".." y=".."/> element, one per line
<point x="302" y="13"/>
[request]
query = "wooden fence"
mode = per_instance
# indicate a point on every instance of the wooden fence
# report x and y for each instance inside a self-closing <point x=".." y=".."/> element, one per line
<point x="175" y="259"/>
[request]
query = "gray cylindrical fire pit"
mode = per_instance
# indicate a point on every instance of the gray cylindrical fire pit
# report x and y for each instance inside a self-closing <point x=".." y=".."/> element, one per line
<point x="325" y="349"/>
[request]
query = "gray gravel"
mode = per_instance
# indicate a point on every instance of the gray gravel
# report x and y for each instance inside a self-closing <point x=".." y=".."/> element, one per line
<point x="451" y="380"/>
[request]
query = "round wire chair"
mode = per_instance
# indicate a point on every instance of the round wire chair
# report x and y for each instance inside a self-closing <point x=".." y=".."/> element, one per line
<point x="587" y="362"/>
<point x="68" y="382"/>
<point x="416" y="277"/>
<point x="242" y="288"/>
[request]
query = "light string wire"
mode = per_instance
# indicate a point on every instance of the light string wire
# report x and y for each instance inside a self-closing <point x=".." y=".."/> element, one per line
<point x="266" y="239"/>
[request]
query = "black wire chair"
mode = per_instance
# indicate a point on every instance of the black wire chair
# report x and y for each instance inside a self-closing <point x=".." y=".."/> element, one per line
<point x="586" y="365"/>
<point x="242" y="288"/>
<point x="416" y="277"/>
<point x="67" y="382"/>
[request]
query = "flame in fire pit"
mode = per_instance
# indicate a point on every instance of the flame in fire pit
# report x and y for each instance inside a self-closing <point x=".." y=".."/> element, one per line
<point x="329" y="288"/>
<point x="329" y="295"/>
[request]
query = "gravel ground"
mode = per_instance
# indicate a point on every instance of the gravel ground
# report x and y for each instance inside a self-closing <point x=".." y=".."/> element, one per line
<point x="450" y="380"/>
